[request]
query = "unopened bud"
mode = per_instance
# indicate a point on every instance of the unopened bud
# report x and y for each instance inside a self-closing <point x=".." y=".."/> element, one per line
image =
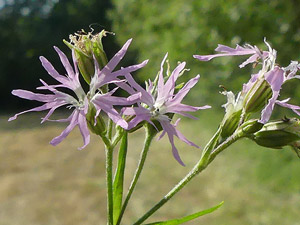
<point x="233" y="109"/>
<point x="230" y="124"/>
<point x="278" y="134"/>
<point x="87" y="46"/>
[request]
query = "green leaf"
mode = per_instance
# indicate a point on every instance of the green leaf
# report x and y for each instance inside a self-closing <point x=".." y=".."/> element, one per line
<point x="119" y="178"/>
<point x="188" y="218"/>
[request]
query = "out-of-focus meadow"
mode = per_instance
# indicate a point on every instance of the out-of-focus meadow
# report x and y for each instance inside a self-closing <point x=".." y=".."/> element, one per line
<point x="42" y="184"/>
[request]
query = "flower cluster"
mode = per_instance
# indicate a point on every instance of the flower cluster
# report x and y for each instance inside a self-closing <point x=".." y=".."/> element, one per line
<point x="81" y="101"/>
<point x="160" y="100"/>
<point x="261" y="92"/>
<point x="155" y="105"/>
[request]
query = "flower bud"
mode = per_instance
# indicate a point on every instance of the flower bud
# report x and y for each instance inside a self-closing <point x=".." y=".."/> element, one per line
<point x="233" y="109"/>
<point x="87" y="46"/>
<point x="96" y="125"/>
<point x="278" y="134"/>
<point x="231" y="124"/>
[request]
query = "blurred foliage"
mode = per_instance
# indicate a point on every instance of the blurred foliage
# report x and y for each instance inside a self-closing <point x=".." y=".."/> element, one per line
<point x="185" y="28"/>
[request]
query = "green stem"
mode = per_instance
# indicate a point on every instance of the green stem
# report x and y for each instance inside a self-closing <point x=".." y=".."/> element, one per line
<point x="109" y="129"/>
<point x="109" y="183"/>
<point x="204" y="161"/>
<point x="224" y="145"/>
<point x="119" y="178"/>
<point x="109" y="147"/>
<point x="149" y="137"/>
<point x="117" y="137"/>
<point x="106" y="141"/>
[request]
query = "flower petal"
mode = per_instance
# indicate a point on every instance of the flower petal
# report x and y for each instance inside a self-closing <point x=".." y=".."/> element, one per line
<point x="146" y="97"/>
<point x="105" y="75"/>
<point x="33" y="96"/>
<point x="275" y="78"/>
<point x="283" y="103"/>
<point x="140" y="114"/>
<point x="227" y="51"/>
<point x="65" y="62"/>
<point x="82" y="124"/>
<point x="74" y="121"/>
<point x="129" y="69"/>
<point x="170" y="84"/>
<point x="160" y="83"/>
<point x="100" y="104"/>
<point x="250" y="83"/>
<point x="36" y="109"/>
<point x="185" y="108"/>
<point x="57" y="105"/>
<point x="171" y="131"/>
<point x="51" y="71"/>
<point x="183" y="91"/>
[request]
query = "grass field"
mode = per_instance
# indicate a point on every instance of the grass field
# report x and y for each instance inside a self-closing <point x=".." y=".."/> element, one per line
<point x="45" y="185"/>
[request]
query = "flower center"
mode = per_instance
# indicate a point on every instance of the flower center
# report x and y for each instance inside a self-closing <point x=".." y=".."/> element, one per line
<point x="158" y="110"/>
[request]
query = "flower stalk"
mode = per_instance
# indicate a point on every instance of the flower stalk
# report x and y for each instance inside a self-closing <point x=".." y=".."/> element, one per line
<point x="204" y="161"/>
<point x="150" y="133"/>
<point x="109" y="183"/>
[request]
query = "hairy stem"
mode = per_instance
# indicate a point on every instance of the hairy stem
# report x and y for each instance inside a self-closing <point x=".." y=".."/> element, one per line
<point x="109" y="128"/>
<point x="109" y="184"/>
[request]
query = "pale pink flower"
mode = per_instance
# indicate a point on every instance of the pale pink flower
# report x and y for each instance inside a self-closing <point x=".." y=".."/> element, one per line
<point x="158" y="103"/>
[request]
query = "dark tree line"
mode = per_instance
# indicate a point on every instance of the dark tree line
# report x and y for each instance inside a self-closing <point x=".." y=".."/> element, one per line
<point x="29" y="29"/>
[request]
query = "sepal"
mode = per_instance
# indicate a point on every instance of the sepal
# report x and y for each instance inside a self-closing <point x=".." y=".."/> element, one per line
<point x="96" y="125"/>
<point x="257" y="97"/>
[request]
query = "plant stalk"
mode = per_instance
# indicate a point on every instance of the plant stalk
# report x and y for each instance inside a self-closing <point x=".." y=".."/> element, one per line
<point x="204" y="161"/>
<point x="109" y="184"/>
<point x="149" y="137"/>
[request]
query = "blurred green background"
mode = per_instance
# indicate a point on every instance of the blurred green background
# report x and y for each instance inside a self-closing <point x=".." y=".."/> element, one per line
<point x="40" y="184"/>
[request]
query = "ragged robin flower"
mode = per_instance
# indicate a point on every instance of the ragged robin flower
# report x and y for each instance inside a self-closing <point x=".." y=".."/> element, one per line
<point x="81" y="102"/>
<point x="262" y="90"/>
<point x="159" y="103"/>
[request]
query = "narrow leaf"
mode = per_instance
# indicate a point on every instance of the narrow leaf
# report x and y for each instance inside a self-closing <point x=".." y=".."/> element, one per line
<point x="212" y="143"/>
<point x="119" y="178"/>
<point x="187" y="218"/>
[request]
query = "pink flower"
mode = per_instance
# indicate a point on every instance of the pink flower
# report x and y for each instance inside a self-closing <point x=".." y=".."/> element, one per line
<point x="274" y="75"/>
<point x="105" y="101"/>
<point x="81" y="101"/>
<point x="157" y="103"/>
